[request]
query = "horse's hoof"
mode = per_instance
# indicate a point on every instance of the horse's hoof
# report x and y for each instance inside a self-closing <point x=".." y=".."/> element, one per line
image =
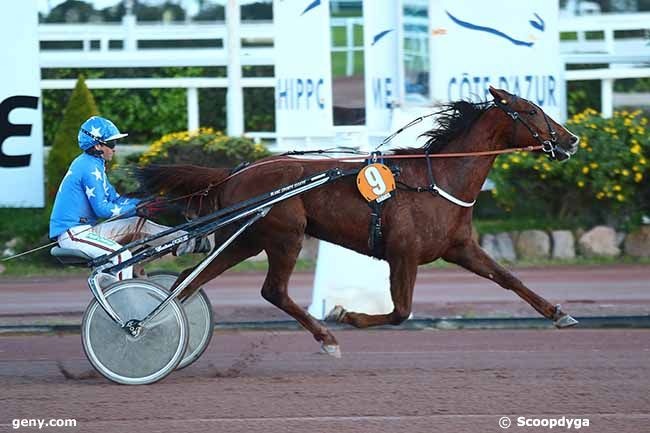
<point x="336" y="315"/>
<point x="565" y="321"/>
<point x="331" y="350"/>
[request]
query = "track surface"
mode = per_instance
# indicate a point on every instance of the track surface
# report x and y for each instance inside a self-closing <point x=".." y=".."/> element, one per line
<point x="583" y="291"/>
<point x="387" y="381"/>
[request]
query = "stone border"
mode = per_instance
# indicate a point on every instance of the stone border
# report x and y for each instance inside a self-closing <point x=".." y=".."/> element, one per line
<point x="599" y="241"/>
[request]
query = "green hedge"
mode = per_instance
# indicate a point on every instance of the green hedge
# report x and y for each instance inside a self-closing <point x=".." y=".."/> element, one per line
<point x="605" y="182"/>
<point x="147" y="114"/>
<point x="206" y="147"/>
<point x="65" y="146"/>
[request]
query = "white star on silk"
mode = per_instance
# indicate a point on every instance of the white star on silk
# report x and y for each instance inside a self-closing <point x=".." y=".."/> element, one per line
<point x="96" y="132"/>
<point x="97" y="174"/>
<point x="63" y="180"/>
<point x="90" y="192"/>
<point x="116" y="211"/>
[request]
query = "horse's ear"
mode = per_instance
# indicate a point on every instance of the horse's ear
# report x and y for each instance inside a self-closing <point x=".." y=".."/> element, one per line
<point x="499" y="94"/>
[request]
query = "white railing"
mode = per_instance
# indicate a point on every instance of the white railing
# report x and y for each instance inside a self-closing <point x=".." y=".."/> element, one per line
<point x="625" y="55"/>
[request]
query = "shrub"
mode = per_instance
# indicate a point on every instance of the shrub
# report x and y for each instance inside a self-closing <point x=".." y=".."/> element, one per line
<point x="65" y="147"/>
<point x="203" y="147"/>
<point x="605" y="182"/>
<point x="150" y="113"/>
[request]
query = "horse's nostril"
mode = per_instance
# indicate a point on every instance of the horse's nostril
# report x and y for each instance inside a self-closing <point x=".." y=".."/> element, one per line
<point x="574" y="139"/>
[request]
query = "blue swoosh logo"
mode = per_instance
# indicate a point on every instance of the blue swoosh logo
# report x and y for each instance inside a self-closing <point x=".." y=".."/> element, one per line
<point x="380" y="35"/>
<point x="539" y="24"/>
<point x="489" y="30"/>
<point x="313" y="4"/>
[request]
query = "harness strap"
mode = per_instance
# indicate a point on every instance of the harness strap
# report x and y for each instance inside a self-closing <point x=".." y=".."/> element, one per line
<point x="376" y="238"/>
<point x="436" y="190"/>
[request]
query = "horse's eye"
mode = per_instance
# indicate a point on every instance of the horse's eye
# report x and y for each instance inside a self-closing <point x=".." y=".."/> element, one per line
<point x="533" y="112"/>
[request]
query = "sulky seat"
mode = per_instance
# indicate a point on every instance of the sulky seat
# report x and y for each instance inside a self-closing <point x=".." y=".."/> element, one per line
<point x="69" y="256"/>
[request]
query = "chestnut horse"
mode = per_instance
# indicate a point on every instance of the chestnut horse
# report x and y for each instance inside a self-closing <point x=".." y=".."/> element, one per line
<point x="418" y="227"/>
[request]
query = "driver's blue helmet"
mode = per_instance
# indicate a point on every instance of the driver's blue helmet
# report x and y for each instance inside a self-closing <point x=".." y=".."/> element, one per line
<point x="97" y="130"/>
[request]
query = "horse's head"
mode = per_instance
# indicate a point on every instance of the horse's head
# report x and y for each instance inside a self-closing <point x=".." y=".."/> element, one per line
<point x="538" y="128"/>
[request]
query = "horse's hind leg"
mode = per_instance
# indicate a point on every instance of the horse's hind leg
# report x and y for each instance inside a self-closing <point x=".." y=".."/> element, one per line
<point x="471" y="256"/>
<point x="282" y="259"/>
<point x="403" y="271"/>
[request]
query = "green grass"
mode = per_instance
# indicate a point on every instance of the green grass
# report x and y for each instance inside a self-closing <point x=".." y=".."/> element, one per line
<point x="50" y="269"/>
<point x="40" y="268"/>
<point x="491" y="226"/>
<point x="30" y="225"/>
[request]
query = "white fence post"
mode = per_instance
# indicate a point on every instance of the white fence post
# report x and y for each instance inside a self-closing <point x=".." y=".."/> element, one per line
<point x="129" y="23"/>
<point x="192" y="108"/>
<point x="349" y="44"/>
<point x="609" y="40"/>
<point x="607" y="97"/>
<point x="235" y="95"/>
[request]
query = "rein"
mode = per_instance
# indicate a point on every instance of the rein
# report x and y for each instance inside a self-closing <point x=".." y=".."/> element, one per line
<point x="363" y="157"/>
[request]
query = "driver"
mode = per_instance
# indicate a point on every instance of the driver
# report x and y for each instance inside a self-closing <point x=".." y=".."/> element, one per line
<point x="85" y="195"/>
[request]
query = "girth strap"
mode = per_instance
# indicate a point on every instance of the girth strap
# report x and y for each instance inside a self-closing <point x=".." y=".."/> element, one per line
<point x="376" y="238"/>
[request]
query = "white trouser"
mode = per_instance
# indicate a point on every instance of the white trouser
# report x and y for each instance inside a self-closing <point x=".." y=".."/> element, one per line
<point x="103" y="239"/>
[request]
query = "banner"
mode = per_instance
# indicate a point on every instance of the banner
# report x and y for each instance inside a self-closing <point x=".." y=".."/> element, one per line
<point x="511" y="44"/>
<point x="381" y="45"/>
<point x="303" y="91"/>
<point x="21" y="134"/>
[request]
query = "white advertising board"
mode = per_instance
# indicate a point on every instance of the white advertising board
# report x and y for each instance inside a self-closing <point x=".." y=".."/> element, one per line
<point x="381" y="44"/>
<point x="21" y="134"/>
<point x="511" y="44"/>
<point x="303" y="92"/>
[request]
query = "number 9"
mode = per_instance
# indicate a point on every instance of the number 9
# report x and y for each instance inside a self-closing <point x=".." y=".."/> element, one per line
<point x="375" y="181"/>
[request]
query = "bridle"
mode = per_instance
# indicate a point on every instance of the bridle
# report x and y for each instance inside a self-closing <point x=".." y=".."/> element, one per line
<point x="549" y="147"/>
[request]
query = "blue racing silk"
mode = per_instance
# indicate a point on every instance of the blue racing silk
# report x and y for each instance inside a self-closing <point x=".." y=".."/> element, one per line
<point x="85" y="195"/>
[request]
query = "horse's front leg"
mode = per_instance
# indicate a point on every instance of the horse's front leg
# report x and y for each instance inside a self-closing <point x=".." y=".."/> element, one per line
<point x="471" y="256"/>
<point x="282" y="258"/>
<point x="402" y="280"/>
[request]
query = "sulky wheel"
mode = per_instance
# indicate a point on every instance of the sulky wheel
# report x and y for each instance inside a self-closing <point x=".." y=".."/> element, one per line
<point x="199" y="317"/>
<point x="153" y="353"/>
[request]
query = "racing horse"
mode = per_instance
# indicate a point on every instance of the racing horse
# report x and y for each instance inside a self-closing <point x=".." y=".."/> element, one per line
<point x="419" y="225"/>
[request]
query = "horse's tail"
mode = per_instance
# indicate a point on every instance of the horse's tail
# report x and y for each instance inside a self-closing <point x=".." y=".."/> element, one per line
<point x="179" y="180"/>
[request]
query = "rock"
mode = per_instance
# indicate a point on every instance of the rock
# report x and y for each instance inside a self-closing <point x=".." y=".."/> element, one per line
<point x="637" y="243"/>
<point x="599" y="242"/>
<point x="533" y="244"/>
<point x="489" y="245"/>
<point x="563" y="244"/>
<point x="505" y="247"/>
<point x="12" y="243"/>
<point x="577" y="233"/>
<point x="2" y="269"/>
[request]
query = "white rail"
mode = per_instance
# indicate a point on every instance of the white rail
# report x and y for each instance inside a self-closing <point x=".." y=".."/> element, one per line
<point x="95" y="41"/>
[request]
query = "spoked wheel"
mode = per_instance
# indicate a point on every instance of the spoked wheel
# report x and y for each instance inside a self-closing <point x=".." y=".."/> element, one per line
<point x="199" y="317"/>
<point x="143" y="359"/>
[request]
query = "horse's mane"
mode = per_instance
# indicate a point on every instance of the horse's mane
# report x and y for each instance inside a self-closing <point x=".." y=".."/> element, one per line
<point x="453" y="120"/>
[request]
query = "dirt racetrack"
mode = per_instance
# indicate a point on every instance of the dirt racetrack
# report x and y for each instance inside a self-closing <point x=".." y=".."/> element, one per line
<point x="387" y="381"/>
